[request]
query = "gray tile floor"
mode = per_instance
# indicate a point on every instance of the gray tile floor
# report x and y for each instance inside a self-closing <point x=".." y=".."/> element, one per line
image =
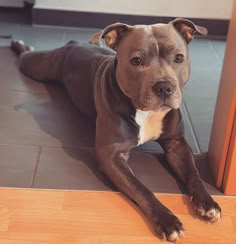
<point x="201" y="92"/>
<point x="46" y="143"/>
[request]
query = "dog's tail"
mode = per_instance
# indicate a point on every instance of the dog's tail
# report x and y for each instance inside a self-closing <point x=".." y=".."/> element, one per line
<point x="19" y="47"/>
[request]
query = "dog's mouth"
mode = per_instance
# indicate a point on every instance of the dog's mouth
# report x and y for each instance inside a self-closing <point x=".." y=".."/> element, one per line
<point x="152" y="102"/>
<point x="149" y="101"/>
<point x="163" y="106"/>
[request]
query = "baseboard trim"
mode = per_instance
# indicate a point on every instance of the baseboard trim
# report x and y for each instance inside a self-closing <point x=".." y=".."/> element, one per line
<point x="16" y="15"/>
<point x="100" y="20"/>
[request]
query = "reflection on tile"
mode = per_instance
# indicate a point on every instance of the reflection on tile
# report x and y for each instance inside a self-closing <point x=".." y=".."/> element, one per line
<point x="201" y="55"/>
<point x="219" y="47"/>
<point x="201" y="91"/>
<point x="17" y="165"/>
<point x="67" y="168"/>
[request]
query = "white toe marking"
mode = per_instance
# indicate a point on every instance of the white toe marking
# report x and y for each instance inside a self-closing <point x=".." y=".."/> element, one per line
<point x="213" y="214"/>
<point x="174" y="236"/>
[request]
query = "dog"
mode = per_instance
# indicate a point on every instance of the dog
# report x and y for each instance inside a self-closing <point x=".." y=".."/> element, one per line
<point x="133" y="92"/>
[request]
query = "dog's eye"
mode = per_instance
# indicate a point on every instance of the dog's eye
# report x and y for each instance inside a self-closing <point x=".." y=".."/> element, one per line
<point x="179" y="58"/>
<point x="136" y="61"/>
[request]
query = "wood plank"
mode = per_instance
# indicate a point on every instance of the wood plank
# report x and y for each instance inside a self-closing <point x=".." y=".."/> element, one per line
<point x="59" y="216"/>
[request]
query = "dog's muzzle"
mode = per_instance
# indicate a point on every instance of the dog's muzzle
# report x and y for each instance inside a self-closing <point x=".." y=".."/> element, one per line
<point x="163" y="89"/>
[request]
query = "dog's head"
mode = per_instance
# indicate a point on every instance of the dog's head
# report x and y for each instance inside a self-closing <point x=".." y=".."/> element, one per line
<point x="152" y="61"/>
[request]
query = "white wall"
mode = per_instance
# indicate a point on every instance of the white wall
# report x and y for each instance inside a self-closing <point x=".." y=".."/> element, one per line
<point x="211" y="9"/>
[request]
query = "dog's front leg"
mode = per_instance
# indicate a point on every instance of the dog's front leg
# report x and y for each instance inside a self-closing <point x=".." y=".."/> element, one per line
<point x="113" y="158"/>
<point x="180" y="157"/>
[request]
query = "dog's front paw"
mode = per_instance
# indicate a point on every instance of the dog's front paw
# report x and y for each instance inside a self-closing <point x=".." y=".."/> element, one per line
<point x="206" y="207"/>
<point x="167" y="226"/>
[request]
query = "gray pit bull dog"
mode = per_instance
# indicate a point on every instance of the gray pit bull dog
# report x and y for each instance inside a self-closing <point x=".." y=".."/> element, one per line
<point x="133" y="92"/>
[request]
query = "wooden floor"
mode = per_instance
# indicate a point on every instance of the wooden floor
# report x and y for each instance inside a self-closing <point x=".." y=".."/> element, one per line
<point x="29" y="216"/>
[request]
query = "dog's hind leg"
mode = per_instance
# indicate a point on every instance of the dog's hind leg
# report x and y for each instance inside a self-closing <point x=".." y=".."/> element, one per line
<point x="40" y="65"/>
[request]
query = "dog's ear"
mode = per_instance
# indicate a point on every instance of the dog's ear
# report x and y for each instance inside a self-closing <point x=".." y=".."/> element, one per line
<point x="112" y="34"/>
<point x="187" y="28"/>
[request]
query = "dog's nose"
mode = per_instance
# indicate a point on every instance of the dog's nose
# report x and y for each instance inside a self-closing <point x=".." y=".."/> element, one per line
<point x="163" y="89"/>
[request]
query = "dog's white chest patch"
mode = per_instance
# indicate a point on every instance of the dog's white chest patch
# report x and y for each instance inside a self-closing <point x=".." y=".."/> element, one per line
<point x="150" y="123"/>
